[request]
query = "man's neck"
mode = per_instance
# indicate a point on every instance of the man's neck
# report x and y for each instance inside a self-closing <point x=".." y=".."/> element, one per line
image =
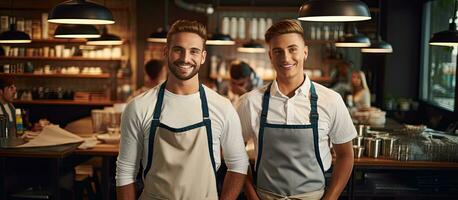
<point x="288" y="86"/>
<point x="181" y="87"/>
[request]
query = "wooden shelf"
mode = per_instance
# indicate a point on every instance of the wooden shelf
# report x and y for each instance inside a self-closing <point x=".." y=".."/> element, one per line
<point x="101" y="76"/>
<point x="307" y="41"/>
<point x="269" y="9"/>
<point x="63" y="102"/>
<point x="57" y="58"/>
<point x="316" y="79"/>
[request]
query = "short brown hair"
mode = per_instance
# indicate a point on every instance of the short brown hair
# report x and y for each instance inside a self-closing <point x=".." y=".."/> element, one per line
<point x="181" y="26"/>
<point x="284" y="27"/>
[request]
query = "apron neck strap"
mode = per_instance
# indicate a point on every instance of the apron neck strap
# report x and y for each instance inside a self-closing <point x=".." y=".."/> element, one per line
<point x="160" y="99"/>
<point x="313" y="104"/>
<point x="265" y="103"/>
<point x="203" y="101"/>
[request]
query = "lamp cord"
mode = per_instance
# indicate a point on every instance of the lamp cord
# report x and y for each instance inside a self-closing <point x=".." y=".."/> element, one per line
<point x="166" y="15"/>
<point x="454" y="12"/>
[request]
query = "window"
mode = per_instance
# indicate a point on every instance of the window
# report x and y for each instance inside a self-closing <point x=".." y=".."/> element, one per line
<point x="438" y="70"/>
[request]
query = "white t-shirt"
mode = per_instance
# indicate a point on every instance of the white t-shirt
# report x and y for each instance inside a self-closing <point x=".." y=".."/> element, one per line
<point x="334" y="121"/>
<point x="178" y="111"/>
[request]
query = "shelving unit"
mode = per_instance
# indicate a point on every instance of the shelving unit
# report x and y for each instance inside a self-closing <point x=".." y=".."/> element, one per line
<point x="63" y="102"/>
<point x="100" y="76"/>
<point x="74" y="58"/>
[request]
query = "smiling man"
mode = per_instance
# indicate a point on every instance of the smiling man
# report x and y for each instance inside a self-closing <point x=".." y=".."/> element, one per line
<point x="177" y="130"/>
<point x="291" y="121"/>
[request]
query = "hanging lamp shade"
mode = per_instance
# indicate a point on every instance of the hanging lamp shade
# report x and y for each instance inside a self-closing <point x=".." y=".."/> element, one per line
<point x="105" y="39"/>
<point x="160" y="36"/>
<point x="334" y="11"/>
<point x="80" y="12"/>
<point x="446" y="38"/>
<point x="13" y="36"/>
<point x="220" y="39"/>
<point x="251" y="47"/>
<point x="353" y="38"/>
<point x="76" y="31"/>
<point x="378" y="46"/>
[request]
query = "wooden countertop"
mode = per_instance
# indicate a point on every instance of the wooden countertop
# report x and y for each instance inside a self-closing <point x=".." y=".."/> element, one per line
<point x="100" y="150"/>
<point x="381" y="163"/>
<point x="60" y="151"/>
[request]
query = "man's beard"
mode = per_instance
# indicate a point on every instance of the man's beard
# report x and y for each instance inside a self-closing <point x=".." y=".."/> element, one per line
<point x="174" y="68"/>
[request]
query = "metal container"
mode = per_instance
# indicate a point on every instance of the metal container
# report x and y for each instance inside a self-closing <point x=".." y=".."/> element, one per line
<point x="358" y="151"/>
<point x="388" y="146"/>
<point x="372" y="146"/>
<point x="358" y="141"/>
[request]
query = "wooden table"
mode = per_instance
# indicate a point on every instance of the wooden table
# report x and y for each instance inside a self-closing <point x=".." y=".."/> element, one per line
<point x="108" y="152"/>
<point x="55" y="154"/>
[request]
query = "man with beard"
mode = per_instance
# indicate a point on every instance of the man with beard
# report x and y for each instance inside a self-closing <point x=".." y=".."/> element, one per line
<point x="291" y="121"/>
<point x="178" y="129"/>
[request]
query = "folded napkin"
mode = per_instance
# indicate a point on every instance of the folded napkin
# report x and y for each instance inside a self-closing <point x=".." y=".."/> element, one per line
<point x="52" y="135"/>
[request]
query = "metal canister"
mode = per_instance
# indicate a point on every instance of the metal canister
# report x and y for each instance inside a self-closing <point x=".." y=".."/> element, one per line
<point x="358" y="141"/>
<point x="388" y="146"/>
<point x="372" y="146"/>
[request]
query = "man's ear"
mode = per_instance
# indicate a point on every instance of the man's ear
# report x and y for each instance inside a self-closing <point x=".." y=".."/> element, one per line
<point x="306" y="52"/>
<point x="204" y="55"/>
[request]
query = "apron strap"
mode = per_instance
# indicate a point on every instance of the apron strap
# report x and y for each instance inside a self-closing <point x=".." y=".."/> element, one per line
<point x="264" y="111"/>
<point x="154" y="125"/>
<point x="207" y="122"/>
<point x="314" y="121"/>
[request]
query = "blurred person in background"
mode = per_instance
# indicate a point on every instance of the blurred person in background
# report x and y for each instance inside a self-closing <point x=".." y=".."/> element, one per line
<point x="243" y="80"/>
<point x="155" y="73"/>
<point x="341" y="79"/>
<point x="360" y="91"/>
<point x="7" y="94"/>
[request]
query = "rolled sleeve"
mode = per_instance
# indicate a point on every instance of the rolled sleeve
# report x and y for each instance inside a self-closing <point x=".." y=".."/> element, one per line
<point x="234" y="153"/>
<point x="130" y="147"/>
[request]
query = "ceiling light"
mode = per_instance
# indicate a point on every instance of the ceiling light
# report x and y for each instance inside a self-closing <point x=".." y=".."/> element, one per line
<point x="251" y="47"/>
<point x="105" y="39"/>
<point x="13" y="36"/>
<point x="76" y="31"/>
<point x="80" y="12"/>
<point x="378" y="45"/>
<point x="353" y="39"/>
<point x="334" y="11"/>
<point x="160" y="36"/>
<point x="220" y="39"/>
<point x="448" y="37"/>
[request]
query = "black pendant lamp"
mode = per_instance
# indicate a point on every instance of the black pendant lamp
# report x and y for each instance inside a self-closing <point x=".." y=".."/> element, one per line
<point x="353" y="38"/>
<point x="251" y="47"/>
<point x="160" y="36"/>
<point x="448" y="37"/>
<point x="219" y="38"/>
<point x="378" y="45"/>
<point x="13" y="36"/>
<point x="334" y="11"/>
<point x="80" y="12"/>
<point x="76" y="31"/>
<point x="105" y="39"/>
